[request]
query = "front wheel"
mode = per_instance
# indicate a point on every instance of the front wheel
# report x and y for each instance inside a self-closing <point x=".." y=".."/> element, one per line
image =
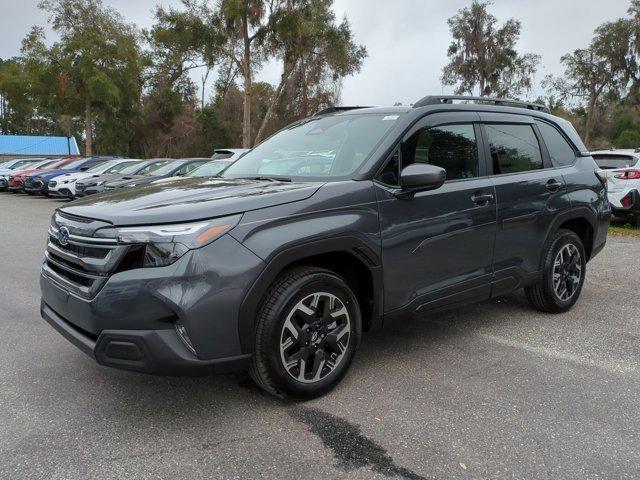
<point x="563" y="274"/>
<point x="307" y="333"/>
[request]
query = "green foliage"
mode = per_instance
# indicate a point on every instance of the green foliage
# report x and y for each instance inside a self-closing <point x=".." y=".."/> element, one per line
<point x="627" y="139"/>
<point x="484" y="55"/>
<point x="129" y="92"/>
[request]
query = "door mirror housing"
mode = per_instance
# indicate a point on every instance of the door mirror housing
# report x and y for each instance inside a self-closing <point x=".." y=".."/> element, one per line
<point x="420" y="177"/>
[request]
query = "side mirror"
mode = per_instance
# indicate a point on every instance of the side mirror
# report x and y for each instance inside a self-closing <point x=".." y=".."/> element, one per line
<point x="420" y="177"/>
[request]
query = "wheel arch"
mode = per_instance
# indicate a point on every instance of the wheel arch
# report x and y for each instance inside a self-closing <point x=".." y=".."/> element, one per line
<point x="348" y="256"/>
<point x="582" y="221"/>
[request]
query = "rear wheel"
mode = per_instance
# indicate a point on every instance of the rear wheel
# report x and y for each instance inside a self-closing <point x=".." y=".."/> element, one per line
<point x="308" y="330"/>
<point x="563" y="274"/>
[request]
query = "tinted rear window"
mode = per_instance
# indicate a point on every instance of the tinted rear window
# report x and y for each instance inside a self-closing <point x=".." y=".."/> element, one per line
<point x="609" y="161"/>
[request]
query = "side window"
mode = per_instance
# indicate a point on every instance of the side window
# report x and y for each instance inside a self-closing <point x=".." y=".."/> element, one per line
<point x="390" y="175"/>
<point x="560" y="151"/>
<point x="452" y="147"/>
<point x="514" y="148"/>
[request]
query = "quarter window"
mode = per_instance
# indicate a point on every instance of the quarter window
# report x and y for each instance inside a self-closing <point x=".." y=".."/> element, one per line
<point x="452" y="147"/>
<point x="514" y="148"/>
<point x="560" y="151"/>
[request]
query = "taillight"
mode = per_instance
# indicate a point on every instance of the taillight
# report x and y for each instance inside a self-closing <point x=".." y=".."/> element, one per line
<point x="626" y="201"/>
<point x="628" y="175"/>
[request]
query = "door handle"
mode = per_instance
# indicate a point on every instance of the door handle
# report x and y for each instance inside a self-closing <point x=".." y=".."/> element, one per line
<point x="482" y="198"/>
<point x="553" y="185"/>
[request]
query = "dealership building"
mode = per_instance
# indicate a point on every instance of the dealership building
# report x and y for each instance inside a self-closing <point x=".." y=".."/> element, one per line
<point x="27" y="146"/>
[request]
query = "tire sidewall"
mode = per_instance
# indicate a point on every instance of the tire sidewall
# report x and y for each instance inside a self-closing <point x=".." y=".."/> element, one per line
<point x="276" y="317"/>
<point x="560" y="241"/>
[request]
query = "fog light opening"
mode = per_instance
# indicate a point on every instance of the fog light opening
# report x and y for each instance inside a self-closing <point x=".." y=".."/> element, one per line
<point x="182" y="333"/>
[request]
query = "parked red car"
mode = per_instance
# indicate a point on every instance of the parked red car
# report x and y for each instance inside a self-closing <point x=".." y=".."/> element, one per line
<point x="16" y="179"/>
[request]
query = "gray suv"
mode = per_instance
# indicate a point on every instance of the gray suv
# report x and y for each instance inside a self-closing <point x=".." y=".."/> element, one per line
<point x="338" y="224"/>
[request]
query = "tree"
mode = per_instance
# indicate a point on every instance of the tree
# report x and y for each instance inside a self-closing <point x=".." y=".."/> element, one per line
<point x="594" y="72"/>
<point x="484" y="55"/>
<point x="97" y="63"/>
<point x="304" y="32"/>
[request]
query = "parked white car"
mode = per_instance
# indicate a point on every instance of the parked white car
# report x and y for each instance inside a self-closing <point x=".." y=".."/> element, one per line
<point x="65" y="185"/>
<point x="231" y="154"/>
<point x="622" y="169"/>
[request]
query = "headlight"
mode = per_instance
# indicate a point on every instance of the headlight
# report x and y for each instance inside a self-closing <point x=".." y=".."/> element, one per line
<point x="164" y="244"/>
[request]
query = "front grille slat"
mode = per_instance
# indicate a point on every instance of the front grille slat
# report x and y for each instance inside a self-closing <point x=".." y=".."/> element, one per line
<point x="84" y="263"/>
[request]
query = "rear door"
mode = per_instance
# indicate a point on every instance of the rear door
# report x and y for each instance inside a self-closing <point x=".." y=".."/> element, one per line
<point x="529" y="194"/>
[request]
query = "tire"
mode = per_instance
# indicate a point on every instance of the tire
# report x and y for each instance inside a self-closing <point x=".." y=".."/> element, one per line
<point x="290" y="329"/>
<point x="635" y="220"/>
<point x="559" y="294"/>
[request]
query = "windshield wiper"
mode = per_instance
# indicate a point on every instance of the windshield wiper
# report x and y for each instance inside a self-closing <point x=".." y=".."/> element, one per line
<point x="270" y="179"/>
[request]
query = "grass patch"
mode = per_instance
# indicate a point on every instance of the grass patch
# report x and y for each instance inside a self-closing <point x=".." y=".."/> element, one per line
<point x="622" y="229"/>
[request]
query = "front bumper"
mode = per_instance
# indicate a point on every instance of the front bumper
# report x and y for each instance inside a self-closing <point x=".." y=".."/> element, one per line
<point x="147" y="351"/>
<point x="138" y="309"/>
<point x="61" y="193"/>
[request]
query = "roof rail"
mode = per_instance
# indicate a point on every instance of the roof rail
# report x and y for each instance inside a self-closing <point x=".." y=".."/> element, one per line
<point x="449" y="99"/>
<point x="337" y="109"/>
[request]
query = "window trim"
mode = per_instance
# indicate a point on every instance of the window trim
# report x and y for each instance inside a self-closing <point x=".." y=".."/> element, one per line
<point x="482" y="167"/>
<point x="544" y="154"/>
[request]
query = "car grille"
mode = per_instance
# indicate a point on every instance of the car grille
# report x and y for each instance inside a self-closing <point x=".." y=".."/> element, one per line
<point x="83" y="264"/>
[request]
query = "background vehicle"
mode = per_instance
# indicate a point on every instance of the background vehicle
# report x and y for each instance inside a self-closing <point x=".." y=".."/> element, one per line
<point x="622" y="170"/>
<point x="65" y="185"/>
<point x="174" y="168"/>
<point x="231" y="154"/>
<point x="97" y="185"/>
<point x="8" y="167"/>
<point x="368" y="216"/>
<point x="210" y="169"/>
<point x="38" y="182"/>
<point x="15" y="180"/>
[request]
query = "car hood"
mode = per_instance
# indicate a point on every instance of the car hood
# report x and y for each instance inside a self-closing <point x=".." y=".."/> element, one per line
<point x="70" y="176"/>
<point x="133" y="180"/>
<point x="188" y="199"/>
<point x="49" y="174"/>
<point x="107" y="177"/>
<point x="28" y="171"/>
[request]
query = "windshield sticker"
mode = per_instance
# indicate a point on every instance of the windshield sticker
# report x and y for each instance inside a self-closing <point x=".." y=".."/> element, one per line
<point x="390" y="118"/>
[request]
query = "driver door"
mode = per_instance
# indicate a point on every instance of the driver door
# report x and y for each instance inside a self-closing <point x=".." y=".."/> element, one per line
<point x="437" y="247"/>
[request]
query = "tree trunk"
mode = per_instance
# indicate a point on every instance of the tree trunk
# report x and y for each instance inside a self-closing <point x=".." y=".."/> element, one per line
<point x="246" y="72"/>
<point x="590" y="118"/>
<point x="273" y="104"/>
<point x="88" y="128"/>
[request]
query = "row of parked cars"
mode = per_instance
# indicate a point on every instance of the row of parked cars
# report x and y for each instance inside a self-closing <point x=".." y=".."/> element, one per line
<point x="79" y="177"/>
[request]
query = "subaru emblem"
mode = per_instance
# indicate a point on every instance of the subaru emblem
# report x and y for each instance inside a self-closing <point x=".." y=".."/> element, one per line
<point x="63" y="236"/>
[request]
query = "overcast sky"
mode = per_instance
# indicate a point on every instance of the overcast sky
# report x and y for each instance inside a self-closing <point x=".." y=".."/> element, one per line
<point x="407" y="40"/>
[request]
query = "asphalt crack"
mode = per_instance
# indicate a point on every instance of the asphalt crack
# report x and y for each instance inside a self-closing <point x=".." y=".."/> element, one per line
<point x="350" y="447"/>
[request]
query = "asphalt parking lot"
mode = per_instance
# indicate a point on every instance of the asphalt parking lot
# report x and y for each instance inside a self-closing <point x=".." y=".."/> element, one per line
<point x="494" y="390"/>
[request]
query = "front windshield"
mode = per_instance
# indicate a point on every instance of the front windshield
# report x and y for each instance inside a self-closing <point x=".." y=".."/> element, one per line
<point x="326" y="147"/>
<point x="167" y="168"/>
<point x="119" y="167"/>
<point x="75" y="164"/>
<point x="101" y="167"/>
<point x="209" y="169"/>
<point x="142" y="168"/>
<point x="22" y="163"/>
